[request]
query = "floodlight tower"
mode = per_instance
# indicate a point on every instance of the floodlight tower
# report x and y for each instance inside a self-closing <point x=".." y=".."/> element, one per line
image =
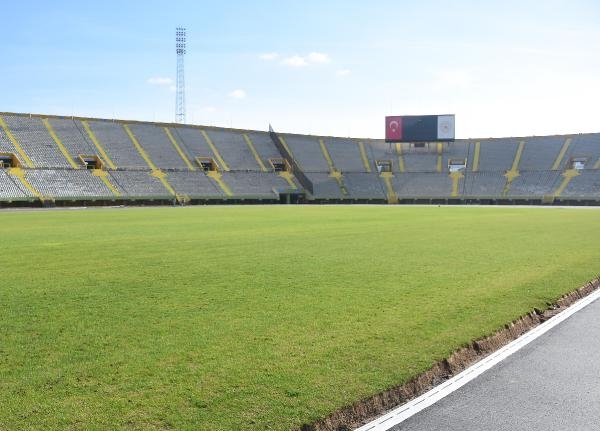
<point x="180" y="89"/>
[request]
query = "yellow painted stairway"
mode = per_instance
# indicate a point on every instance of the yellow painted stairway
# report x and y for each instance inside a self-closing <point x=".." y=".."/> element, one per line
<point x="157" y="173"/>
<point x="215" y="151"/>
<point x="59" y="144"/>
<point x="561" y="154"/>
<point x="252" y="148"/>
<point x="289" y="151"/>
<point x="456" y="177"/>
<point x="178" y="149"/>
<point x="363" y="156"/>
<point x="477" y="152"/>
<point x="392" y="197"/>
<point x="401" y="167"/>
<point x="215" y="175"/>
<point x="333" y="172"/>
<point x="568" y="175"/>
<point x="19" y="174"/>
<point x="105" y="158"/>
<point x="23" y="155"/>
<point x="103" y="175"/>
<point x="139" y="148"/>
<point x="513" y="172"/>
<point x="289" y="178"/>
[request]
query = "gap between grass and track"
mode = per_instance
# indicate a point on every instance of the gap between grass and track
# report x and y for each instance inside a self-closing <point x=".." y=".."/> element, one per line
<point x="431" y="397"/>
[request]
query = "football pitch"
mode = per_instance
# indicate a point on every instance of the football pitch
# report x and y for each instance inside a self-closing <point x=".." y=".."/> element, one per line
<point x="259" y="317"/>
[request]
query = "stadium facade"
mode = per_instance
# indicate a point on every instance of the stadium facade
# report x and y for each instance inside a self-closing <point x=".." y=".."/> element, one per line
<point x="52" y="160"/>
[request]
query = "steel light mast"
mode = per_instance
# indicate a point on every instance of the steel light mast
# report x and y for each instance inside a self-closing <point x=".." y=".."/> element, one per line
<point x="180" y="42"/>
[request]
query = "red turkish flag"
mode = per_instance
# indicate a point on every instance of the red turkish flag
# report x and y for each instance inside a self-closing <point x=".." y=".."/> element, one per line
<point x="393" y="129"/>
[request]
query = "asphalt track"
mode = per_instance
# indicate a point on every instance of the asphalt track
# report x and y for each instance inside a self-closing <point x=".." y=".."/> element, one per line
<point x="553" y="383"/>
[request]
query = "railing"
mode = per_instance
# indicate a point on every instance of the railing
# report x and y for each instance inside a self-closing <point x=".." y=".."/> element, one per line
<point x="302" y="178"/>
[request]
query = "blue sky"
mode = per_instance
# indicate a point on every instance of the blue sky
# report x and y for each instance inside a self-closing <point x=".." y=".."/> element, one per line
<point x="505" y="68"/>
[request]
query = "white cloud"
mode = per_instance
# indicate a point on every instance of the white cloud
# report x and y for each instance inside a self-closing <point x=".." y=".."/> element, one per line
<point x="268" y="56"/>
<point x="209" y="109"/>
<point x="318" y="57"/>
<point x="343" y="72"/>
<point x="307" y="60"/>
<point x="295" y="61"/>
<point x="238" y="94"/>
<point x="160" y="81"/>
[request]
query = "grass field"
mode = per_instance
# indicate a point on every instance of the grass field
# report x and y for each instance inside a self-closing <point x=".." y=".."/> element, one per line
<point x="243" y="318"/>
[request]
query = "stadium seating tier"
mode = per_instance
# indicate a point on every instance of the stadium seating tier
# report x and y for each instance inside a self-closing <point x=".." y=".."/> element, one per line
<point x="161" y="161"/>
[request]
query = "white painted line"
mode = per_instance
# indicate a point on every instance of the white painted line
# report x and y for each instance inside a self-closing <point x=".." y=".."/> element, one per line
<point x="429" y="398"/>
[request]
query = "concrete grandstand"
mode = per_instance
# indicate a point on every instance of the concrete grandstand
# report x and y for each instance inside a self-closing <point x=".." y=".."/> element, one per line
<point x="54" y="160"/>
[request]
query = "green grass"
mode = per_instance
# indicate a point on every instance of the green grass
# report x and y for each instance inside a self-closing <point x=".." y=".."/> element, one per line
<point x="243" y="318"/>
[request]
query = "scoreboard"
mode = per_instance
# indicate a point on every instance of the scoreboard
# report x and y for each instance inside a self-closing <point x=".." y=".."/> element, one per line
<point x="419" y="128"/>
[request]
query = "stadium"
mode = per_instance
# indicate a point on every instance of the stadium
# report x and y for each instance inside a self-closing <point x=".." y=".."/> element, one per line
<point x="80" y="161"/>
<point x="276" y="274"/>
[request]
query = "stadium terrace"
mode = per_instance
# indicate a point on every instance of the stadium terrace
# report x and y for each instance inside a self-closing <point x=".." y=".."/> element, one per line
<point x="68" y="161"/>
